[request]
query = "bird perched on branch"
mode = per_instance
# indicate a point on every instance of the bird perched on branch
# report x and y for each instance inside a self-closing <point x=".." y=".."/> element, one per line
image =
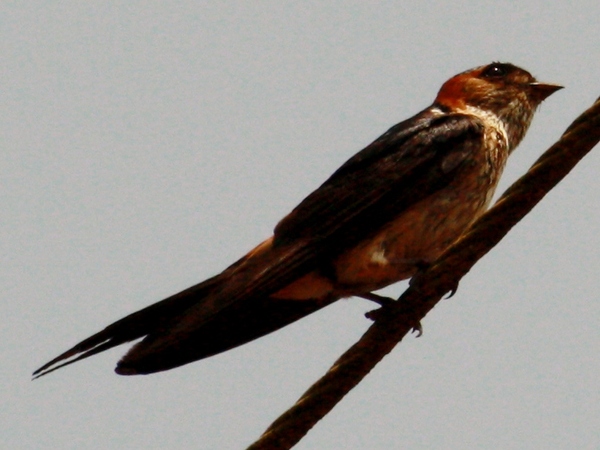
<point x="388" y="211"/>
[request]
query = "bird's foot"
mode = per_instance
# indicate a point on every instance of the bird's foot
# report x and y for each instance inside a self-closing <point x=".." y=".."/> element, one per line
<point x="422" y="267"/>
<point x="376" y="313"/>
<point x="379" y="299"/>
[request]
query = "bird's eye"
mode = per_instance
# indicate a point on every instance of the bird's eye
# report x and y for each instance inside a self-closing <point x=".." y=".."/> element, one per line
<point x="496" y="70"/>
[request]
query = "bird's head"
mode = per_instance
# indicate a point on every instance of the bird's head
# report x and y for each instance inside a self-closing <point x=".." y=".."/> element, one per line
<point x="504" y="90"/>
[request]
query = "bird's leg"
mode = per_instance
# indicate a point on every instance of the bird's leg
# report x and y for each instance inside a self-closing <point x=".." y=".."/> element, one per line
<point x="384" y="301"/>
<point x="379" y="299"/>
<point x="422" y="267"/>
<point x="416" y="276"/>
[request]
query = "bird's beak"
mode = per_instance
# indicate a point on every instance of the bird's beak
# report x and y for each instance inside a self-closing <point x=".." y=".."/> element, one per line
<point x="541" y="91"/>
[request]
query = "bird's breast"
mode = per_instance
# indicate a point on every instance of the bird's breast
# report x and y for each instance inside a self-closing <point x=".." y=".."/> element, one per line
<point x="419" y="235"/>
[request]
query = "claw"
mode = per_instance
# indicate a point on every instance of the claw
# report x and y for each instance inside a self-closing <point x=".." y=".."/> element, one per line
<point x="452" y="291"/>
<point x="418" y="329"/>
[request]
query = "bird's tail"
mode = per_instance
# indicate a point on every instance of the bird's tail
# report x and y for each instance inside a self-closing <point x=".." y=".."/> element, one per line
<point x="136" y="325"/>
<point x="160" y="349"/>
<point x="238" y="324"/>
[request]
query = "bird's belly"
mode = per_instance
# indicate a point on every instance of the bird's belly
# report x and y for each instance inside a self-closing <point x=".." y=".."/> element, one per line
<point x="417" y="237"/>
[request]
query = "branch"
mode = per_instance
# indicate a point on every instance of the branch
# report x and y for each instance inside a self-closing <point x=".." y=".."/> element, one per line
<point x="393" y="322"/>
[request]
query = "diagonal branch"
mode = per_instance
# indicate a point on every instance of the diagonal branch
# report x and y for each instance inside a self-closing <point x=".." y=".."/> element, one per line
<point x="393" y="322"/>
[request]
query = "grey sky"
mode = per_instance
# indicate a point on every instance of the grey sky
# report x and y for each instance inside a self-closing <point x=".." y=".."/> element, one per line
<point x="146" y="146"/>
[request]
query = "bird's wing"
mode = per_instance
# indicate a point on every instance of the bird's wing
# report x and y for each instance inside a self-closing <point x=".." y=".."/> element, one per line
<point x="398" y="170"/>
<point x="410" y="162"/>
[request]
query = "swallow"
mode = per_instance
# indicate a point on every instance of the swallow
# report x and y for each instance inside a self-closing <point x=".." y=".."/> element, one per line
<point x="390" y="209"/>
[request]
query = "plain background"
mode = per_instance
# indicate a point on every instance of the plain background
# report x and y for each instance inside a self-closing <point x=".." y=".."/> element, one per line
<point x="147" y="145"/>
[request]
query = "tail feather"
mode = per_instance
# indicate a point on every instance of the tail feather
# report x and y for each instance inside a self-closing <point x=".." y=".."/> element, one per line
<point x="151" y="319"/>
<point x="161" y="349"/>
<point x="231" y="327"/>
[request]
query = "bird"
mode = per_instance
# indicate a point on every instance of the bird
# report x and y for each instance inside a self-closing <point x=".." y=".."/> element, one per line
<point x="384" y="215"/>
